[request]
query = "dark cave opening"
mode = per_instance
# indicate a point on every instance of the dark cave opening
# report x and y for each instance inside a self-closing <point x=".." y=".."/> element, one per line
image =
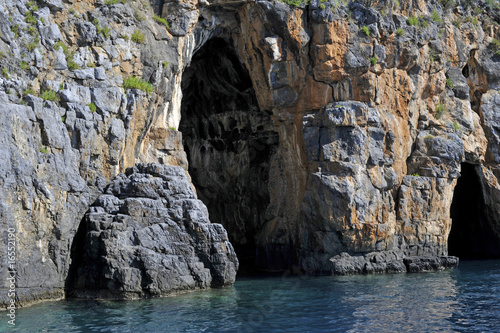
<point x="76" y="254"/>
<point x="229" y="143"/>
<point x="471" y="235"/>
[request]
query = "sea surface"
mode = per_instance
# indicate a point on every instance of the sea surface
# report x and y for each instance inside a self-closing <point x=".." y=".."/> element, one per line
<point x="466" y="299"/>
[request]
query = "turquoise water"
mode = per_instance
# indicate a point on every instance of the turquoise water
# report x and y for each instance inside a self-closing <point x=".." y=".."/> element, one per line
<point x="466" y="299"/>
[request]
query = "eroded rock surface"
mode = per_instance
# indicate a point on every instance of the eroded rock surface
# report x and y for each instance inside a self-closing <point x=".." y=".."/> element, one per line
<point x="149" y="235"/>
<point x="327" y="138"/>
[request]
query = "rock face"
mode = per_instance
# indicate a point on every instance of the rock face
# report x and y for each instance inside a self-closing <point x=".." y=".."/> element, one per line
<point x="149" y="235"/>
<point x="326" y="138"/>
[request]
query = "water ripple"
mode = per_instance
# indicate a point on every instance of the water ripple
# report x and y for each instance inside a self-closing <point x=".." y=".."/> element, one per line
<point x="466" y="299"/>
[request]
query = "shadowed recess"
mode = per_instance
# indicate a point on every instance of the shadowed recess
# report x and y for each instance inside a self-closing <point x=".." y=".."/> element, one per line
<point x="471" y="235"/>
<point x="230" y="144"/>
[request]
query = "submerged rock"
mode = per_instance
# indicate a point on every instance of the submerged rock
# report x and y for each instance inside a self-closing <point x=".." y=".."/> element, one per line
<point x="149" y="235"/>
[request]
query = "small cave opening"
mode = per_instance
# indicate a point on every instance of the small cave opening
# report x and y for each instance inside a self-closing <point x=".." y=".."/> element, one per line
<point x="471" y="235"/>
<point x="76" y="255"/>
<point x="230" y="143"/>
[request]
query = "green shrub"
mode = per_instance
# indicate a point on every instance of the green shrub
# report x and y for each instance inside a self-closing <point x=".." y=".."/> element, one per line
<point x="15" y="29"/>
<point x="435" y="16"/>
<point x="44" y="150"/>
<point x="139" y="17"/>
<point x="412" y="20"/>
<point x="69" y="55"/>
<point x="164" y="64"/>
<point x="322" y="6"/>
<point x="161" y="20"/>
<point x="72" y="65"/>
<point x="30" y="18"/>
<point x="32" y="30"/>
<point x="49" y="95"/>
<point x="138" y="37"/>
<point x="59" y="44"/>
<point x="374" y="60"/>
<point x="91" y="65"/>
<point x="32" y="45"/>
<point x="29" y="91"/>
<point x="137" y="83"/>
<point x="104" y="31"/>
<point x="456" y="126"/>
<point x="440" y="110"/>
<point x="447" y="3"/>
<point x="5" y="72"/>
<point x="366" y="30"/>
<point x="400" y="32"/>
<point x="296" y="3"/>
<point x="93" y="107"/>
<point x="449" y="83"/>
<point x="495" y="45"/>
<point x="32" y="6"/>
<point x="173" y="128"/>
<point x="24" y="65"/>
<point x="101" y="30"/>
<point x="422" y="22"/>
<point x="110" y="2"/>
<point x="125" y="37"/>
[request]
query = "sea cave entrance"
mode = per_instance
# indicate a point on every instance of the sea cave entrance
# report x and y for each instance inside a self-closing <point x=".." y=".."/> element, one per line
<point x="471" y="235"/>
<point x="229" y="143"/>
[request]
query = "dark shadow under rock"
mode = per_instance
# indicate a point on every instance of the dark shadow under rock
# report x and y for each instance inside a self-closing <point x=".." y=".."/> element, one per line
<point x="149" y="236"/>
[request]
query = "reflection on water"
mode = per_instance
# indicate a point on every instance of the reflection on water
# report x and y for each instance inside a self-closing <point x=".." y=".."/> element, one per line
<point x="466" y="299"/>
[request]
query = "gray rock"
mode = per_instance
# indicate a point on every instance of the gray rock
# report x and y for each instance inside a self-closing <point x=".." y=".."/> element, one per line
<point x="80" y="111"/>
<point x="181" y="17"/>
<point x="88" y="31"/>
<point x="60" y="60"/>
<point x="100" y="73"/>
<point x="107" y="99"/>
<point x="5" y="32"/>
<point x="38" y="59"/>
<point x="84" y="74"/>
<point x="73" y="93"/>
<point x="460" y="87"/>
<point x="430" y="264"/>
<point x="490" y="109"/>
<point x="55" y="5"/>
<point x="150" y="236"/>
<point x="50" y="34"/>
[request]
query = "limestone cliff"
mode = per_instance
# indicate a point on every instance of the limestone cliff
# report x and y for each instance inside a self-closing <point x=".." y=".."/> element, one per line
<point x="328" y="138"/>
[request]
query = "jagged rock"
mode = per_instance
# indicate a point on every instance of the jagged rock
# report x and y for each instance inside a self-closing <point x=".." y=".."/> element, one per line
<point x="305" y="137"/>
<point x="107" y="99"/>
<point x="60" y="60"/>
<point x="149" y="235"/>
<point x="50" y="34"/>
<point x="429" y="264"/>
<point x="55" y="5"/>
<point x="88" y="31"/>
<point x="460" y="87"/>
<point x="73" y="93"/>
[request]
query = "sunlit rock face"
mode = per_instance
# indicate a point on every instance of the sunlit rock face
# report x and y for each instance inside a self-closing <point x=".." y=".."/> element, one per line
<point x="325" y="138"/>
